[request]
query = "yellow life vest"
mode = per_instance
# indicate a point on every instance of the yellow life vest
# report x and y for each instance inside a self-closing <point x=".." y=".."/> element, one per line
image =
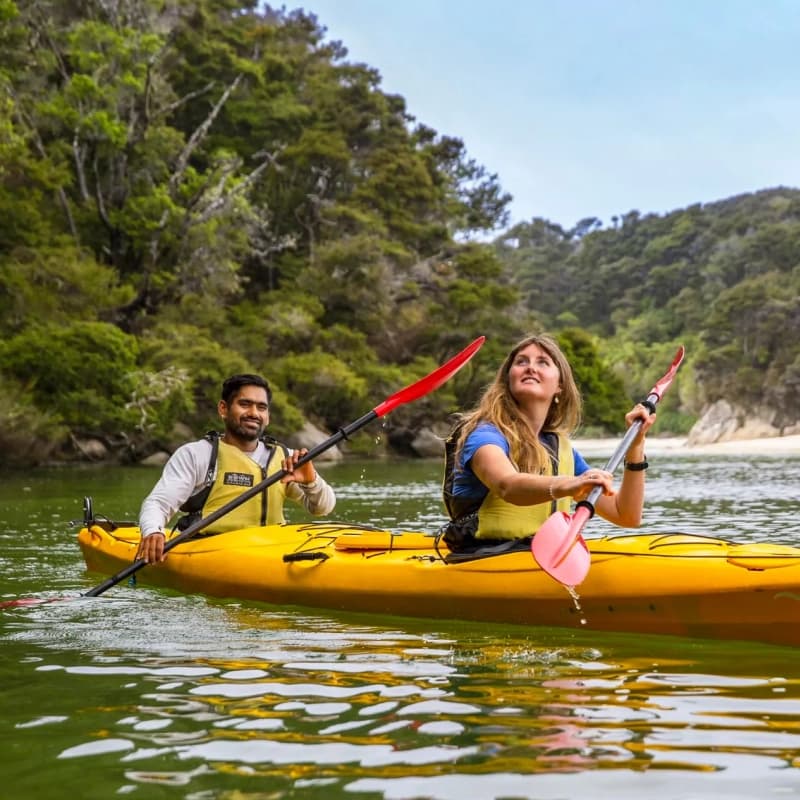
<point x="236" y="473"/>
<point x="498" y="519"/>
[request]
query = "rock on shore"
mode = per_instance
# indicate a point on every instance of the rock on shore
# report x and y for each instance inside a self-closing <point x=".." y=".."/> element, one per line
<point x="724" y="422"/>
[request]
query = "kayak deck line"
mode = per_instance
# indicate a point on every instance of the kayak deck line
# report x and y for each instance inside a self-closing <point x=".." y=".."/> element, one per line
<point x="675" y="583"/>
<point x="751" y="556"/>
<point x="349" y="537"/>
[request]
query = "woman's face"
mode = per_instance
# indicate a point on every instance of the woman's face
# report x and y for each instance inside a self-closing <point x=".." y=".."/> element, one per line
<point x="533" y="375"/>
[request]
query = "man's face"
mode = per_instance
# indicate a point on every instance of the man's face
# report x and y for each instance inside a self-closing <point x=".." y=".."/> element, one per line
<point x="247" y="414"/>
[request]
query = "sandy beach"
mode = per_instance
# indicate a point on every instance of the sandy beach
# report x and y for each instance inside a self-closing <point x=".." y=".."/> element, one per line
<point x="776" y="445"/>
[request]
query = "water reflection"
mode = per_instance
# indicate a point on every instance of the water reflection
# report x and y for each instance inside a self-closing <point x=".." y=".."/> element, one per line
<point x="214" y="699"/>
<point x="333" y="704"/>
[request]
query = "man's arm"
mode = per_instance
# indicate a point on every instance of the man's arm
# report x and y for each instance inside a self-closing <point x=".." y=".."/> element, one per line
<point x="317" y="497"/>
<point x="183" y="475"/>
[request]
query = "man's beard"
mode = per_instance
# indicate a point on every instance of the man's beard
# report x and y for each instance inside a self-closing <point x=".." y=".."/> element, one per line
<point x="245" y="433"/>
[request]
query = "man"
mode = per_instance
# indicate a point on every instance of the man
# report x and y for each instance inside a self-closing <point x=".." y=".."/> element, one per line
<point x="201" y="477"/>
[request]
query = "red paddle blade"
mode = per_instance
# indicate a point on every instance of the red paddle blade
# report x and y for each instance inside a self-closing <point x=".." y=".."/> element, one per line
<point x="430" y="382"/>
<point x="663" y="384"/>
<point x="27" y="601"/>
<point x="559" y="548"/>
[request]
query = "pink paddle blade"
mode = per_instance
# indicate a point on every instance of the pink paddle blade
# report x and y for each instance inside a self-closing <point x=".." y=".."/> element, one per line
<point x="561" y="554"/>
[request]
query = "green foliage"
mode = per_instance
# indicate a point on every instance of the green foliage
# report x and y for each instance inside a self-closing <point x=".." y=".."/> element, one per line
<point x="160" y="399"/>
<point x="278" y="322"/>
<point x="28" y="434"/>
<point x="192" y="352"/>
<point x="673" y="421"/>
<point x="468" y="294"/>
<point x="747" y="353"/>
<point x="193" y="190"/>
<point x="326" y="388"/>
<point x="84" y="370"/>
<point x="724" y="272"/>
<point x="401" y="427"/>
<point x="603" y="393"/>
<point x="640" y="363"/>
<point x="343" y="276"/>
<point x="55" y="284"/>
<point x="286" y="417"/>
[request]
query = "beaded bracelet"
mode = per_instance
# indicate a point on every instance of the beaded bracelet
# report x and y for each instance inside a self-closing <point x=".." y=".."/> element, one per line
<point x="552" y="494"/>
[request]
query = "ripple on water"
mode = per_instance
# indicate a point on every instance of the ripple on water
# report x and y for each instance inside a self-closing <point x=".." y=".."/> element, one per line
<point x="143" y="687"/>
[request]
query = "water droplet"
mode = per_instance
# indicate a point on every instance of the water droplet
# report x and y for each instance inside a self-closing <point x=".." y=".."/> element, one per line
<point x="573" y="593"/>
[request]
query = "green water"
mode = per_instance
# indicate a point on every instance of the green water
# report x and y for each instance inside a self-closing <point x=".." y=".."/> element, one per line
<point x="150" y="694"/>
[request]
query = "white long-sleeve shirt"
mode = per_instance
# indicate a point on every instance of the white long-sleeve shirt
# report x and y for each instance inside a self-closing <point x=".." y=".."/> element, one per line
<point x="185" y="474"/>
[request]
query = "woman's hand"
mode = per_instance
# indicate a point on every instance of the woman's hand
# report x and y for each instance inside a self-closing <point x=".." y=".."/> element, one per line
<point x="580" y="486"/>
<point x="639" y="412"/>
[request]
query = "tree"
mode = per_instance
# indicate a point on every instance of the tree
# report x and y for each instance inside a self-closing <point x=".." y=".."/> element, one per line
<point x="88" y="366"/>
<point x="97" y="105"/>
<point x="603" y="393"/>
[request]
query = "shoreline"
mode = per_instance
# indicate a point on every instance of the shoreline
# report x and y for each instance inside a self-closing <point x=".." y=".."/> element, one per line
<point x="676" y="445"/>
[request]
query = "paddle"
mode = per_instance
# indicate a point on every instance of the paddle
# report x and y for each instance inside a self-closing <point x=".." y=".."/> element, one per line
<point x="407" y="395"/>
<point x="558" y="545"/>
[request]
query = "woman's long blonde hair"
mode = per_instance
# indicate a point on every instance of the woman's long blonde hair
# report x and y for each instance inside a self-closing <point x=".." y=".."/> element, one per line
<point x="499" y="407"/>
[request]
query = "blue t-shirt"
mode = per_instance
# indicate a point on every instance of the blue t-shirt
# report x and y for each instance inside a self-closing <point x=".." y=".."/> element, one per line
<point x="466" y="483"/>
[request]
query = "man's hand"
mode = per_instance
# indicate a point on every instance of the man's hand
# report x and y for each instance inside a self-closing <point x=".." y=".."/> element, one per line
<point x="303" y="474"/>
<point x="151" y="548"/>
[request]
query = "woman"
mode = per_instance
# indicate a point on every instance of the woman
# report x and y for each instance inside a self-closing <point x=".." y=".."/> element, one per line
<point x="514" y="464"/>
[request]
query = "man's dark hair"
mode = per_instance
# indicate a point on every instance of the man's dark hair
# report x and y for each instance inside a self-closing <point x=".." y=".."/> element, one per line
<point x="233" y="384"/>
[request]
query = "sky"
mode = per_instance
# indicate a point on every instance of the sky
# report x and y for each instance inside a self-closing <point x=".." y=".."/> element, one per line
<point x="594" y="108"/>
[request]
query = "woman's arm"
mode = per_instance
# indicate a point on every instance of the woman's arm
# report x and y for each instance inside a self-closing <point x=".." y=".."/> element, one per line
<point x="624" y="508"/>
<point x="496" y="471"/>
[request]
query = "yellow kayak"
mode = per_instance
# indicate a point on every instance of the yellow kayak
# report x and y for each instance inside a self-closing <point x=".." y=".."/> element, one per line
<point x="679" y="584"/>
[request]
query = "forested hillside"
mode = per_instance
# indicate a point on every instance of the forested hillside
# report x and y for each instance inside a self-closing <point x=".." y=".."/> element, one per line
<point x="191" y="189"/>
<point x="723" y="278"/>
